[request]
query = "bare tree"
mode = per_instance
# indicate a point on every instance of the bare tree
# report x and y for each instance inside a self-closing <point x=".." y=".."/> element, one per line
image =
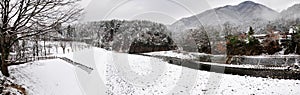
<point x="18" y="17"/>
<point x="63" y="45"/>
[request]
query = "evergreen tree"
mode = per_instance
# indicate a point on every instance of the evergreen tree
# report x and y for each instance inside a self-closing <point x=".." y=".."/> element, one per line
<point x="251" y="31"/>
<point x="294" y="44"/>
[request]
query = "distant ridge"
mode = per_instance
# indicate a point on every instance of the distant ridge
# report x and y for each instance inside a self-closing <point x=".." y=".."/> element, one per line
<point x="242" y="13"/>
<point x="292" y="12"/>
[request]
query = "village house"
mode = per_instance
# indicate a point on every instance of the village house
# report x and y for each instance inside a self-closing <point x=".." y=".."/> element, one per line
<point x="281" y="37"/>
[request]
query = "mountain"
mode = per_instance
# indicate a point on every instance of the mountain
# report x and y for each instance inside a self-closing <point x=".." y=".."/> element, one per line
<point x="245" y="12"/>
<point x="291" y="12"/>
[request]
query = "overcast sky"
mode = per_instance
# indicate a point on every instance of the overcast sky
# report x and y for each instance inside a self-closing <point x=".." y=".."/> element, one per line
<point x="162" y="11"/>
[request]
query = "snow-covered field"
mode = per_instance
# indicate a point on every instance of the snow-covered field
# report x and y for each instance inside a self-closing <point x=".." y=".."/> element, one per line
<point x="49" y="77"/>
<point x="126" y="74"/>
<point x="182" y="55"/>
<point x="179" y="54"/>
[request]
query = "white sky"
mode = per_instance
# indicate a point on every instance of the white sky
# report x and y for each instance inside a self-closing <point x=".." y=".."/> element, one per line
<point x="163" y="11"/>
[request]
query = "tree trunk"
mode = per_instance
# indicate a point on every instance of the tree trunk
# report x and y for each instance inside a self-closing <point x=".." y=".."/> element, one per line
<point x="4" y="58"/>
<point x="56" y="47"/>
<point x="64" y="49"/>
<point x="45" y="46"/>
<point x="37" y="48"/>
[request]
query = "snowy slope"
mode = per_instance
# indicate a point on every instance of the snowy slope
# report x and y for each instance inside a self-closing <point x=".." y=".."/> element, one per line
<point x="126" y="74"/>
<point x="51" y="77"/>
<point x="292" y="12"/>
<point x="57" y="77"/>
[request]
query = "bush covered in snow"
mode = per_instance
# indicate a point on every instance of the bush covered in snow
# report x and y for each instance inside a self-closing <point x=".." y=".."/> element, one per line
<point x="119" y="35"/>
<point x="201" y="39"/>
<point x="150" y="42"/>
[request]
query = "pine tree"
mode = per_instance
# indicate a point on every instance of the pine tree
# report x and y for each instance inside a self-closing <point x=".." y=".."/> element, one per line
<point x="251" y="31"/>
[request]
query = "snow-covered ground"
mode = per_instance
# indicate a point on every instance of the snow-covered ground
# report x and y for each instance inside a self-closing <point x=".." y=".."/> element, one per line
<point x="177" y="54"/>
<point x="127" y="74"/>
<point x="49" y="77"/>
